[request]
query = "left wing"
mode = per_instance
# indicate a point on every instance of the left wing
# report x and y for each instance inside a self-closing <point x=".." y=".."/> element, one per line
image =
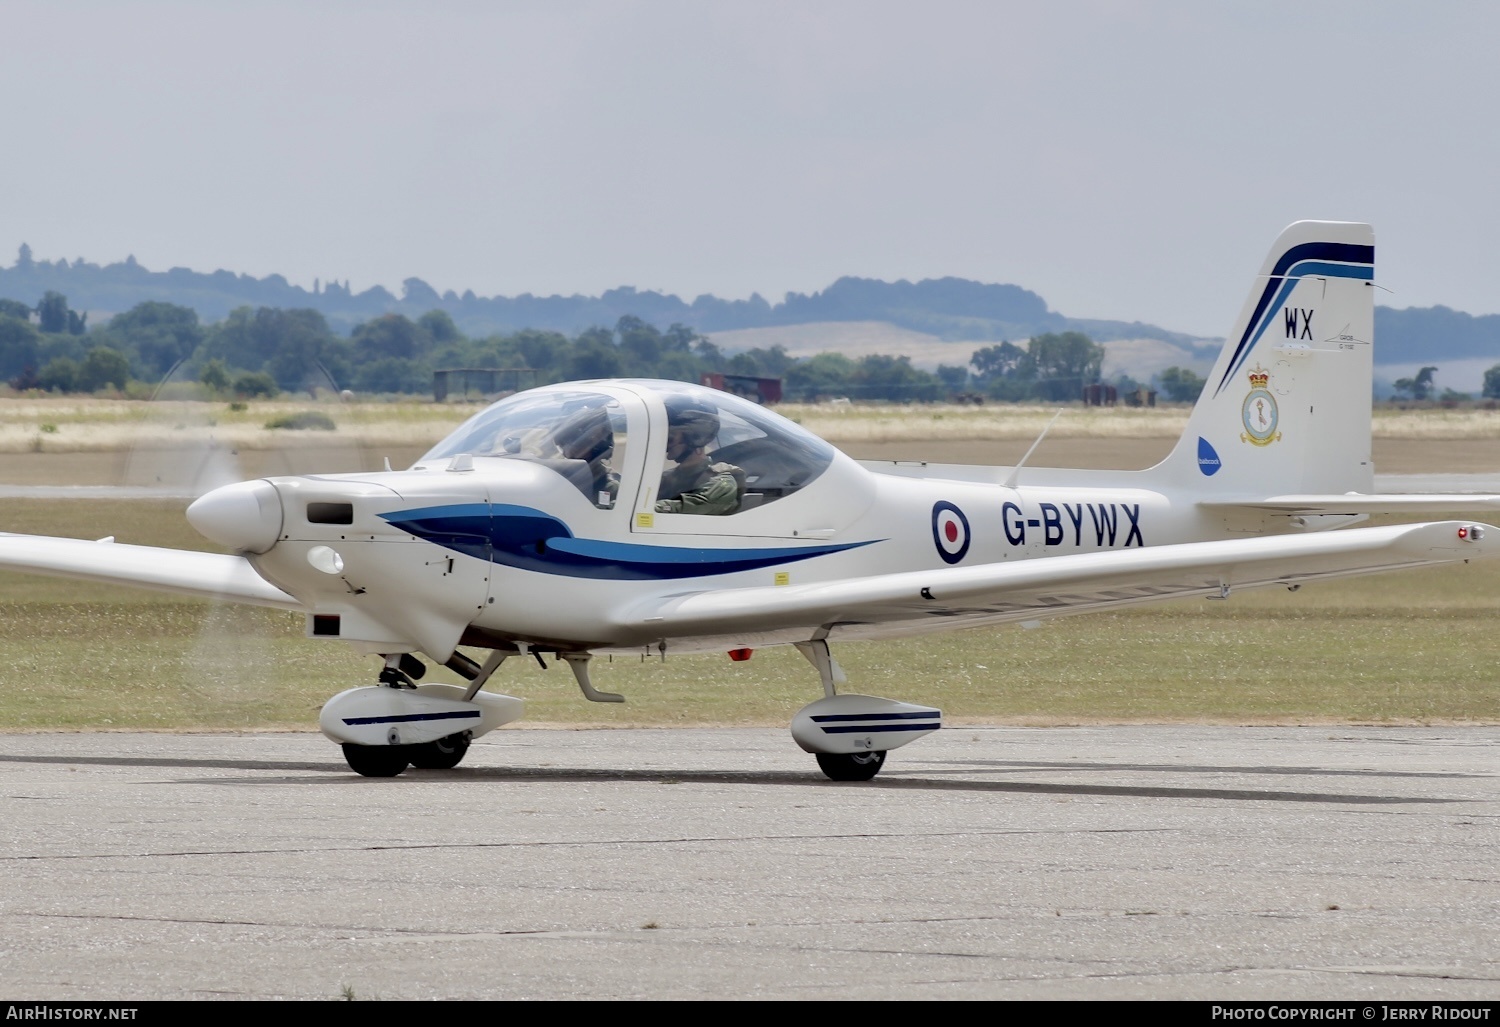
<point x="203" y="575"/>
<point x="1052" y="586"/>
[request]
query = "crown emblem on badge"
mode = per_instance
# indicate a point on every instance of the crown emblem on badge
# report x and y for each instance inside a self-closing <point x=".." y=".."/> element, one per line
<point x="1258" y="413"/>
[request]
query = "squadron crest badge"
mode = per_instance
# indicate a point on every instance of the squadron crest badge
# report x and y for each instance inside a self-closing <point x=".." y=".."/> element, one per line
<point x="1258" y="413"/>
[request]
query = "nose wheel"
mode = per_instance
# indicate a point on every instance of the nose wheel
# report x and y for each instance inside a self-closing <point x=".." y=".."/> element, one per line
<point x="851" y="766"/>
<point x="376" y="760"/>
<point x="443" y="754"/>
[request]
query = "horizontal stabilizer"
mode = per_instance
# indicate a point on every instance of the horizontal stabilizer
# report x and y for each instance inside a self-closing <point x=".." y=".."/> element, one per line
<point x="1034" y="589"/>
<point x="202" y="575"/>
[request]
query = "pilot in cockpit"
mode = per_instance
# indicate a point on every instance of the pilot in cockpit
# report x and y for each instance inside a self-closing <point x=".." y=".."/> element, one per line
<point x="696" y="485"/>
<point x="588" y="436"/>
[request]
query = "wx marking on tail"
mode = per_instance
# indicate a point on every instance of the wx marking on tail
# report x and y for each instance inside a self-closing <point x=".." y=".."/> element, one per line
<point x="1292" y="317"/>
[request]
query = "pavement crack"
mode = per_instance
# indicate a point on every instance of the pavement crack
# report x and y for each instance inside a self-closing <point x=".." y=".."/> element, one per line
<point x="560" y="843"/>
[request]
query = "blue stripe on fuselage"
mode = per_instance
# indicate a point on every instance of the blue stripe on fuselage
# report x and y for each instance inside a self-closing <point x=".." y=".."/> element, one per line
<point x="528" y="539"/>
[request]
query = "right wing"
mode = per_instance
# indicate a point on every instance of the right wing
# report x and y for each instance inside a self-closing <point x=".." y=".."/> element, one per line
<point x="202" y="575"/>
<point x="874" y="606"/>
<point x="1361" y="503"/>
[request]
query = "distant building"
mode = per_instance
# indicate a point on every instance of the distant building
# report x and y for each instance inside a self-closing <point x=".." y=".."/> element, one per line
<point x="1100" y="395"/>
<point x="480" y="382"/>
<point x="747" y="386"/>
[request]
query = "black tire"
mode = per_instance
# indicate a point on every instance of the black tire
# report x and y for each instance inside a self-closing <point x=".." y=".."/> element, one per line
<point x="376" y="760"/>
<point x="851" y="766"/>
<point x="443" y="754"/>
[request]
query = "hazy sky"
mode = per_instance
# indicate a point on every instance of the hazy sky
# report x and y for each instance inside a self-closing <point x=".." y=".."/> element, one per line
<point x="1124" y="159"/>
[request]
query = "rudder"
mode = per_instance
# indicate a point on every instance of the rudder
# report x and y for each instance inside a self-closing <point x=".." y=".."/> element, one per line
<point x="1286" y="408"/>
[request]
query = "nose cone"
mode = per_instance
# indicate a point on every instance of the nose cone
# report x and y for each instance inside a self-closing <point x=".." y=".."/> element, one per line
<point x="245" y="516"/>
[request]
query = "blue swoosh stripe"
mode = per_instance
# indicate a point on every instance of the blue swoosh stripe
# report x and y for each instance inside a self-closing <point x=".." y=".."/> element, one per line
<point x="1354" y="261"/>
<point x="830" y="717"/>
<point x="858" y="729"/>
<point x="407" y="718"/>
<point x="528" y="539"/>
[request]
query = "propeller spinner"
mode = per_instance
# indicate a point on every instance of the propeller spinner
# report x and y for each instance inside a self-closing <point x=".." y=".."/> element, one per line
<point x="245" y="516"/>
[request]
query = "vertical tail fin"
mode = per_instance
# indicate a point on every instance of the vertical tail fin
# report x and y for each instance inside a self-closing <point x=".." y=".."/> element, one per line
<point x="1286" y="408"/>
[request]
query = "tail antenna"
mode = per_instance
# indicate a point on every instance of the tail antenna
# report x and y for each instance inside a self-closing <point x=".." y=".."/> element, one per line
<point x="1015" y="472"/>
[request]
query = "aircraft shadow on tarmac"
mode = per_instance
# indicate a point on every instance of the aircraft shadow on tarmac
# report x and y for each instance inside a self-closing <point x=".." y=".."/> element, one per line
<point x="888" y="782"/>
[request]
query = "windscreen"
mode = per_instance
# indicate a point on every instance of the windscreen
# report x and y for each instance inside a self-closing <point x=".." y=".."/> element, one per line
<point x="580" y="435"/>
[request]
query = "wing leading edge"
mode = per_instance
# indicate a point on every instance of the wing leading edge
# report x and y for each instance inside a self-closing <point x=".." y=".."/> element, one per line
<point x="202" y="575"/>
<point x="1031" y="589"/>
<point x="1361" y="503"/>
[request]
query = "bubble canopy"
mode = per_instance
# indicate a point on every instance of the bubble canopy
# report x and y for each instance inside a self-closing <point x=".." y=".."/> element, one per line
<point x="576" y="422"/>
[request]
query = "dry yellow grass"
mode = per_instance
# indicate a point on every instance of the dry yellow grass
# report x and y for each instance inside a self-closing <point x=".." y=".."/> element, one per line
<point x="83" y="424"/>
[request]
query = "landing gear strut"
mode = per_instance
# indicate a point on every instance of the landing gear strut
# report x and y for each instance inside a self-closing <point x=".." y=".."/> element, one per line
<point x="850" y="734"/>
<point x="385" y="728"/>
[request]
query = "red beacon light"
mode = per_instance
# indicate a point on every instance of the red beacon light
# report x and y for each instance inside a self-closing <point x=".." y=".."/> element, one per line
<point x="740" y="655"/>
<point x="1470" y="533"/>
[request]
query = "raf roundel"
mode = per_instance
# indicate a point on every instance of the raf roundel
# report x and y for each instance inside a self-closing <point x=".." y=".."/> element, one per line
<point x="950" y="531"/>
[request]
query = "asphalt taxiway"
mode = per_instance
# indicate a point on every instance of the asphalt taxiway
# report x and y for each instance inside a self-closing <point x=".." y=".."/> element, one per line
<point x="1061" y="863"/>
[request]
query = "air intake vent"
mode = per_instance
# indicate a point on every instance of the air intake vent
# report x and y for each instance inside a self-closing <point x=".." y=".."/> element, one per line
<point x="330" y="513"/>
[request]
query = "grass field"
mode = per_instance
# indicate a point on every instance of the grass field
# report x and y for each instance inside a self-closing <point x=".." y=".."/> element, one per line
<point x="1414" y="647"/>
<point x="81" y="424"/>
<point x="1405" y="648"/>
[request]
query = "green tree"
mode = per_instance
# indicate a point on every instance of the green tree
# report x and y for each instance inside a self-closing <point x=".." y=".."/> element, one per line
<point x="681" y="339"/>
<point x="709" y="353"/>
<point x="1064" y="362"/>
<point x="1491" y="388"/>
<point x="1180" y="384"/>
<point x="308" y="354"/>
<point x="390" y="335"/>
<point x="953" y="378"/>
<point x="1006" y="360"/>
<point x="679" y="367"/>
<point x="391" y="374"/>
<point x="545" y="351"/>
<point x="1418" y="388"/>
<point x="878" y="376"/>
<point x="761" y="362"/>
<point x="159" y="334"/>
<point x="103" y="366"/>
<point x="215" y="375"/>
<point x="595" y="356"/>
<point x="439" y="325"/>
<point x="19" y="344"/>
<point x="52" y="312"/>
<point x="640" y="344"/>
<point x="60" y="374"/>
<point x="15" y="308"/>
<point x="294" y="346"/>
<point x="822" y="376"/>
<point x="253" y="384"/>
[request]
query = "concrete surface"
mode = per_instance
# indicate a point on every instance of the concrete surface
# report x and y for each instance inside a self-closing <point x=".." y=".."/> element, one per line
<point x="1079" y="863"/>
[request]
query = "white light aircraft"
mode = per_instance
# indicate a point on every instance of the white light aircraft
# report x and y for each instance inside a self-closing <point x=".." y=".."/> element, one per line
<point x="545" y="525"/>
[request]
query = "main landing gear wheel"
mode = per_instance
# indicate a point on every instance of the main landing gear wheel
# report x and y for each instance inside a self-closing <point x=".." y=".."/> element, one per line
<point x="851" y="766"/>
<point x="443" y="754"/>
<point x="376" y="760"/>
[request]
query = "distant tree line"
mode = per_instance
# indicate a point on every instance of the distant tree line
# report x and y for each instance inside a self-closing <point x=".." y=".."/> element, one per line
<point x="262" y="351"/>
<point x="950" y="308"/>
